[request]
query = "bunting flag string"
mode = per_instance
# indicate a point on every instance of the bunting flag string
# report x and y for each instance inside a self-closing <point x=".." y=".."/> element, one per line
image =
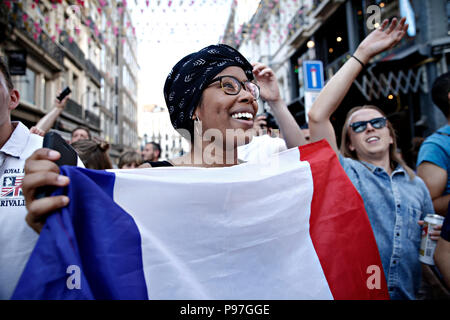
<point x="149" y="20"/>
<point x="108" y="16"/>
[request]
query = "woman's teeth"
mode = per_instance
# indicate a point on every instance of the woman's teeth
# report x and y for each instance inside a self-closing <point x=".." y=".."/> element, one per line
<point x="242" y="115"/>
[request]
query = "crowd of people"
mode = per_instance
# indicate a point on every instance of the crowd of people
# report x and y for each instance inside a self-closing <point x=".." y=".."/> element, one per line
<point x="94" y="152"/>
<point x="222" y="97"/>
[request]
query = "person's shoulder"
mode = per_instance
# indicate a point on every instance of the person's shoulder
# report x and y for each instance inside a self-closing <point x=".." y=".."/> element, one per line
<point x="445" y="129"/>
<point x="439" y="137"/>
<point x="34" y="142"/>
<point x="354" y="169"/>
<point x="25" y="141"/>
<point x="435" y="149"/>
<point x="155" y="164"/>
<point x="418" y="181"/>
<point x="345" y="161"/>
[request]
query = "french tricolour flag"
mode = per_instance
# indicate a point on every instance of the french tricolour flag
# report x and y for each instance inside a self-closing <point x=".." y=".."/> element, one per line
<point x="291" y="228"/>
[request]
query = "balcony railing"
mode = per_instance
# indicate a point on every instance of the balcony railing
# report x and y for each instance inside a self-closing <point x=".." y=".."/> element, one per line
<point x="73" y="48"/>
<point x="296" y="23"/>
<point x="97" y="35"/>
<point x="42" y="39"/>
<point x="91" y="118"/>
<point x="74" y="109"/>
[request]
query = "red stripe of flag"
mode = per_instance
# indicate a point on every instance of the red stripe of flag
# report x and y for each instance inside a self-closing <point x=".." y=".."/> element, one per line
<point x="340" y="229"/>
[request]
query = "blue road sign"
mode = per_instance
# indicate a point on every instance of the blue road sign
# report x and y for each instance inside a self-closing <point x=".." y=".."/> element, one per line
<point x="313" y="75"/>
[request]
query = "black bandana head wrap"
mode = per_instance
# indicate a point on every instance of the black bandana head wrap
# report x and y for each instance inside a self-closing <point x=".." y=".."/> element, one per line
<point x="191" y="75"/>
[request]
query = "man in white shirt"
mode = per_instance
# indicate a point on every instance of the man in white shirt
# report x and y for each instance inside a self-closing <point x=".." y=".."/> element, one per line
<point x="17" y="239"/>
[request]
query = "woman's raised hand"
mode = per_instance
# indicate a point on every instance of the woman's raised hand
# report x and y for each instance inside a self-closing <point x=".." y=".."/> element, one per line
<point x="267" y="82"/>
<point x="381" y="39"/>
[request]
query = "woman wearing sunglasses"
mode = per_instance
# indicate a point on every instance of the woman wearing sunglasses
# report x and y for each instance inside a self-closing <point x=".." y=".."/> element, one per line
<point x="395" y="199"/>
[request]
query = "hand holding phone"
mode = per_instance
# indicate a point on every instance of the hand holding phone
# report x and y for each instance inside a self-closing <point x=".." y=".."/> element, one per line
<point x="64" y="94"/>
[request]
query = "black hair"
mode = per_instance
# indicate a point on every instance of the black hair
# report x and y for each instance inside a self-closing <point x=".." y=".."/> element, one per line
<point x="156" y="146"/>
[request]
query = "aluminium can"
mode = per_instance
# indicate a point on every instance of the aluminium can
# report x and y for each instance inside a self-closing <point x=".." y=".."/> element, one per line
<point x="427" y="246"/>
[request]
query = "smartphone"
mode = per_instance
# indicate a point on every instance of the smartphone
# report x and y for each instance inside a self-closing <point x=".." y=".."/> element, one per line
<point x="64" y="94"/>
<point x="69" y="157"/>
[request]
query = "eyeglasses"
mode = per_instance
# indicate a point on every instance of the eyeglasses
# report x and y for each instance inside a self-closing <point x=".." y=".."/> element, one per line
<point x="232" y="86"/>
<point x="360" y="126"/>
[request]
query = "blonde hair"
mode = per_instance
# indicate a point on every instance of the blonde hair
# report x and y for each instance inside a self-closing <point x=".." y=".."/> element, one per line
<point x="393" y="157"/>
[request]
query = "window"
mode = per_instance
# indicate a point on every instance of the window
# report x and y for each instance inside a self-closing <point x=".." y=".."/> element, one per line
<point x="43" y="90"/>
<point x="26" y="85"/>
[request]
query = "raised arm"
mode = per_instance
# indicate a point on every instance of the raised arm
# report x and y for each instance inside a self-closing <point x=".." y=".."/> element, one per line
<point x="270" y="92"/>
<point x="46" y="123"/>
<point x="337" y="87"/>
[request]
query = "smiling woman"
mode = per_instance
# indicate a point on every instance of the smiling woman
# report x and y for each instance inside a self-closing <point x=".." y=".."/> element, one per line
<point x="212" y="100"/>
<point x="394" y="198"/>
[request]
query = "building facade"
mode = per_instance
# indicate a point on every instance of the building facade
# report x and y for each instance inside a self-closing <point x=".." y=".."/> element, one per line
<point x="285" y="33"/>
<point x="80" y="45"/>
<point x="127" y="108"/>
<point x="155" y="122"/>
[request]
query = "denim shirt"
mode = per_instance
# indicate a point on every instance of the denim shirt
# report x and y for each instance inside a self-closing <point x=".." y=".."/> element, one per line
<point x="393" y="204"/>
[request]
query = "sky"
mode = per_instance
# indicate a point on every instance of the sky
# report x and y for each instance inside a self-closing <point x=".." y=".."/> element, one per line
<point x="168" y="33"/>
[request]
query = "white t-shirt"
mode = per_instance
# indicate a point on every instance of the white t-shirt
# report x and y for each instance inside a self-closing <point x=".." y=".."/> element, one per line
<point x="261" y="148"/>
<point x="17" y="239"/>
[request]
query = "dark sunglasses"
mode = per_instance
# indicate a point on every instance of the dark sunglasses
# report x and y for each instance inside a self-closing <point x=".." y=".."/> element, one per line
<point x="361" y="126"/>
